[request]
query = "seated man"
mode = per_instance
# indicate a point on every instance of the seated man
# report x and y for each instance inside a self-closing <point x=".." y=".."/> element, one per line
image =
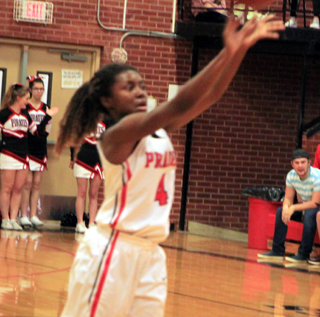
<point x="303" y="180"/>
<point x="213" y="11"/>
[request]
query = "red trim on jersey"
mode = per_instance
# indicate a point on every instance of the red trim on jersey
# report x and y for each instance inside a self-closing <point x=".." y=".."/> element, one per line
<point x="17" y="133"/>
<point x="91" y="140"/>
<point x="123" y="195"/>
<point x="103" y="276"/>
<point x="37" y="109"/>
<point x="129" y="174"/>
<point x="43" y="162"/>
<point x="15" y="112"/>
<point x="20" y="134"/>
<point x="18" y="158"/>
<point x="97" y="170"/>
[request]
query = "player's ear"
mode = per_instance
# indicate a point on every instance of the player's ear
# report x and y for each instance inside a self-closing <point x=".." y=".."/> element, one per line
<point x="106" y="102"/>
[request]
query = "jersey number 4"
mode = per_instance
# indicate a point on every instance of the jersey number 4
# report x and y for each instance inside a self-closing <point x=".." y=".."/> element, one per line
<point x="161" y="195"/>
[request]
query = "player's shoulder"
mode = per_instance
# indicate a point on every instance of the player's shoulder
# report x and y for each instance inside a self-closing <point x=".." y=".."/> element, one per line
<point x="161" y="133"/>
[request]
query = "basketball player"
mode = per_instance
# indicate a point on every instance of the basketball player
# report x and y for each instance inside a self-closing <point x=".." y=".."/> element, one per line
<point x="37" y="154"/>
<point x="15" y="122"/>
<point x="119" y="269"/>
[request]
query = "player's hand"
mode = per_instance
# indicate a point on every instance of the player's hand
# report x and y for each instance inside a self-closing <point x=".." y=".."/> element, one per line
<point x="287" y="213"/>
<point x="52" y="111"/>
<point x="251" y="32"/>
<point x="71" y="164"/>
<point x="264" y="28"/>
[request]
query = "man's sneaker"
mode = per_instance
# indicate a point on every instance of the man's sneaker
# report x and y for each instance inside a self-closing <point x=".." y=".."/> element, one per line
<point x="292" y="23"/>
<point x="296" y="258"/>
<point x="315" y="24"/>
<point x="15" y="225"/>
<point x="92" y="225"/>
<point x="314" y="260"/>
<point x="271" y="255"/>
<point x="24" y="222"/>
<point x="36" y="222"/>
<point x="81" y="227"/>
<point x="6" y="224"/>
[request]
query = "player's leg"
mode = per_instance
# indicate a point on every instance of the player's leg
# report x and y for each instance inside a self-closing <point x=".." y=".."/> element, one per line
<point x="82" y="275"/>
<point x="130" y="265"/>
<point x="151" y="294"/>
<point x="102" y="277"/>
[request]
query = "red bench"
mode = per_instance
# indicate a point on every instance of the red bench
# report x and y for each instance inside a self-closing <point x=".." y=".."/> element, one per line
<point x="262" y="215"/>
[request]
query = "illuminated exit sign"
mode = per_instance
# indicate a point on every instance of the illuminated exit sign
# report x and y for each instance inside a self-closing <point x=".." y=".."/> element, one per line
<point x="33" y="11"/>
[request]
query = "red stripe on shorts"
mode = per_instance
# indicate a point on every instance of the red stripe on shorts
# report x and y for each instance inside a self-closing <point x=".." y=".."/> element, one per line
<point x="103" y="277"/>
<point x="123" y="196"/>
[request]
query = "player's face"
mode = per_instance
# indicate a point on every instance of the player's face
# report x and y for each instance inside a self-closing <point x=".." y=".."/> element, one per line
<point x="301" y="166"/>
<point x="129" y="95"/>
<point x="37" y="91"/>
<point x="23" y="101"/>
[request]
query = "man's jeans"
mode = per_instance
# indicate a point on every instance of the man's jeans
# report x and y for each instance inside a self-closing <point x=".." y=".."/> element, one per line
<point x="309" y="230"/>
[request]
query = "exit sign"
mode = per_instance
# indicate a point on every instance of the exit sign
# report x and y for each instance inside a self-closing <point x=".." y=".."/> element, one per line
<point x="33" y="11"/>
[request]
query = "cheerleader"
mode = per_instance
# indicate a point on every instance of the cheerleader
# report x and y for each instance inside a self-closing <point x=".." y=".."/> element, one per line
<point x="37" y="154"/>
<point x="87" y="169"/>
<point x="15" y="123"/>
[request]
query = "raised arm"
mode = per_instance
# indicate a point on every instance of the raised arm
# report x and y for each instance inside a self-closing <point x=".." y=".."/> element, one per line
<point x="206" y="88"/>
<point x="197" y="95"/>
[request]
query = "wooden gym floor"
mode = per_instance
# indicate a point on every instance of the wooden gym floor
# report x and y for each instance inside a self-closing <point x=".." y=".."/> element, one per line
<point x="207" y="277"/>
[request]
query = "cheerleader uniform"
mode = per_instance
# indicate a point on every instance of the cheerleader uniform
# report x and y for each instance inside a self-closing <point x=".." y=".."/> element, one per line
<point x="119" y="269"/>
<point x="15" y="127"/>
<point x="38" y="144"/>
<point x="88" y="164"/>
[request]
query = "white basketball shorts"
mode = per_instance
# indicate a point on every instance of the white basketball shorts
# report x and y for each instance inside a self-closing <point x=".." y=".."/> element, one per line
<point x="117" y="274"/>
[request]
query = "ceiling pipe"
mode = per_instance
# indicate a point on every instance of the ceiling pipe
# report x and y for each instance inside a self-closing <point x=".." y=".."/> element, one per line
<point x="139" y="32"/>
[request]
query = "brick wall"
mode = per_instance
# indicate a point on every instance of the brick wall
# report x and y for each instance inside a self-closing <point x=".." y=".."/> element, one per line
<point x="245" y="140"/>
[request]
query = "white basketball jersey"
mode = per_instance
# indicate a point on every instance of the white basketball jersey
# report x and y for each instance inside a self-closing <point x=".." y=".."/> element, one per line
<point x="138" y="193"/>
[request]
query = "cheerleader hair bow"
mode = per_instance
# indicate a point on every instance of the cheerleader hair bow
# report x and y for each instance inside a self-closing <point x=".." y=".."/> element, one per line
<point x="16" y="86"/>
<point x="30" y="79"/>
